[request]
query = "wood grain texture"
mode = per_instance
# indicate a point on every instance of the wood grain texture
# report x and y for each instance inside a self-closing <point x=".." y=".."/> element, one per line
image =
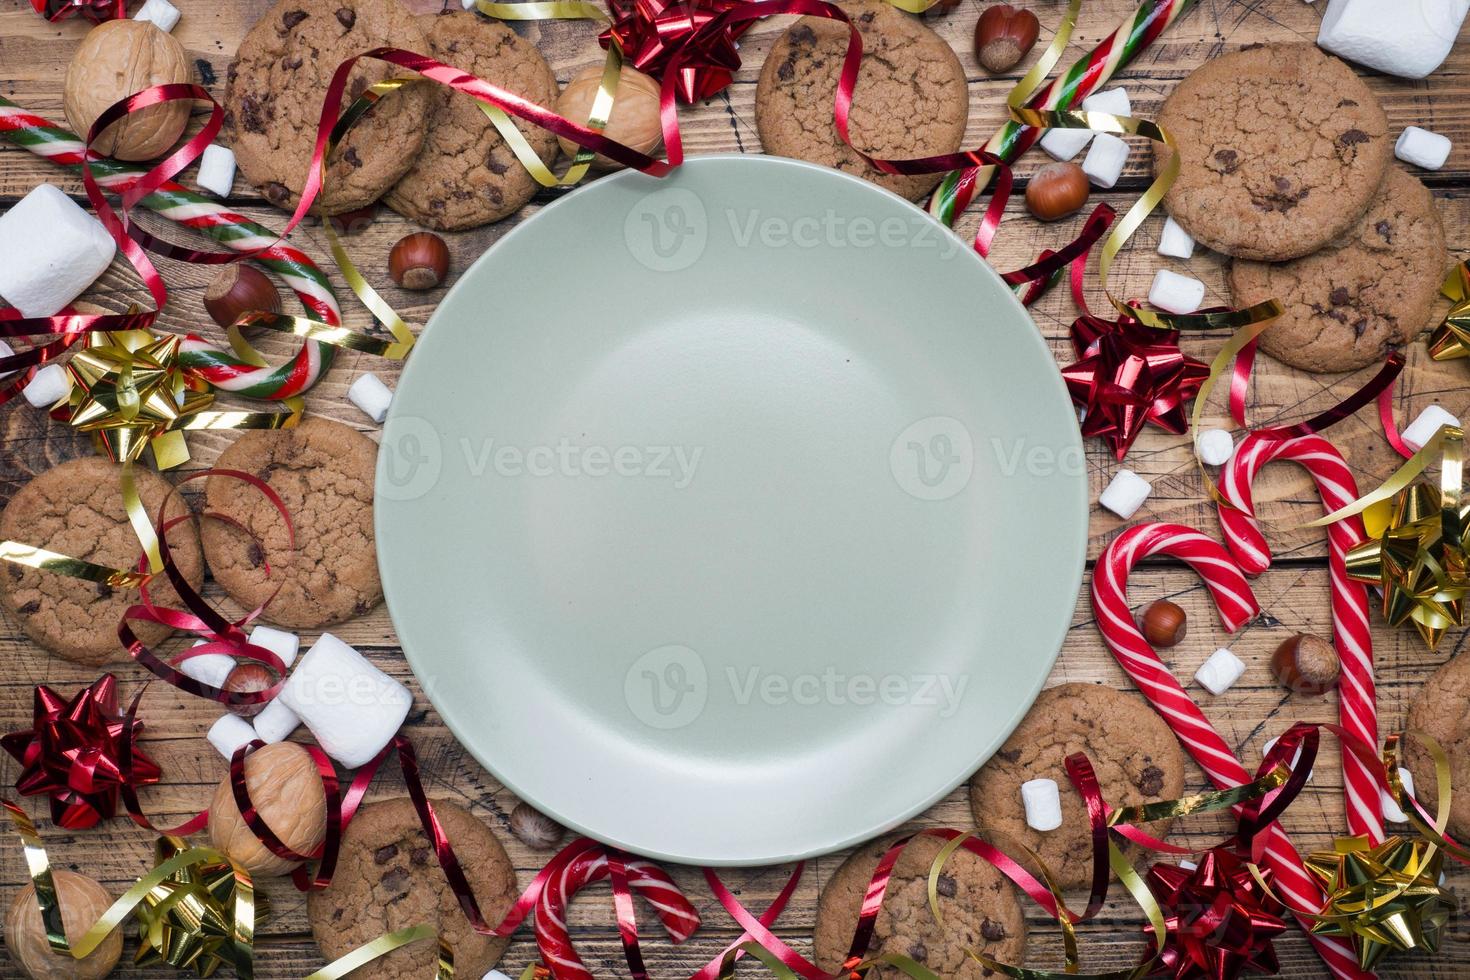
<point x="33" y="56"/>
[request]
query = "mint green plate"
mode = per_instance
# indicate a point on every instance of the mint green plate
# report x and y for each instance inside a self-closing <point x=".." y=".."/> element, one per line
<point x="734" y="517"/>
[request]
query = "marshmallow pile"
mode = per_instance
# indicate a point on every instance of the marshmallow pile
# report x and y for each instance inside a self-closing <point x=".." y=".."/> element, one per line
<point x="1109" y="154"/>
<point x="351" y="708"/>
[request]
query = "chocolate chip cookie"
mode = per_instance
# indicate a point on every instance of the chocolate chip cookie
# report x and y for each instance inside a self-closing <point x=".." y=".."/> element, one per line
<point x="1136" y="757"/>
<point x="1440" y="711"/>
<point x="910" y="100"/>
<point x="466" y="175"/>
<point x="978" y="903"/>
<point x="1282" y="149"/>
<point x="274" y="93"/>
<point x="388" y="878"/>
<point x="323" y="472"/>
<point x="76" y="509"/>
<point x="1364" y="294"/>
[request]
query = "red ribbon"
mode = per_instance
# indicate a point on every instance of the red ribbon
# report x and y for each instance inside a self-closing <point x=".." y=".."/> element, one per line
<point x="96" y="11"/>
<point x="650" y="32"/>
<point x="80" y="753"/>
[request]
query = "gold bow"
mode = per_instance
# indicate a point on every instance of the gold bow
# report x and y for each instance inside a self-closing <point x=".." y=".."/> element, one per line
<point x="1451" y="339"/>
<point x="201" y="915"/>
<point x="1383" y="898"/>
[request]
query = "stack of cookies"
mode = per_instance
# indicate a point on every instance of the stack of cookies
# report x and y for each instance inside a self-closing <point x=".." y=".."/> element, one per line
<point x="1287" y="166"/>
<point x="431" y="156"/>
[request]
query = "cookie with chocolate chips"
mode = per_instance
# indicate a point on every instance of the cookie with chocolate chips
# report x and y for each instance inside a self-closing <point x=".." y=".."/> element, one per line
<point x="1439" y="711"/>
<point x="77" y="509"/>
<point x="1282" y="148"/>
<point x="1136" y="757"/>
<point x="979" y="906"/>
<point x="323" y="472"/>
<point x="466" y="175"/>
<point x="274" y="91"/>
<point x="910" y="100"/>
<point x="1362" y="295"/>
<point x="388" y="878"/>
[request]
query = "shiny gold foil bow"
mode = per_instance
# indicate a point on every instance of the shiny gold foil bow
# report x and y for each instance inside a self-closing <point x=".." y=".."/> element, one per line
<point x="200" y="915"/>
<point x="1451" y="339"/>
<point x="1383" y="898"/>
<point x="1416" y="552"/>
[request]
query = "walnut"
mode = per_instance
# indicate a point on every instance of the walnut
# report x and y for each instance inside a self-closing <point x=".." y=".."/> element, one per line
<point x="116" y="59"/>
<point x="287" y="792"/>
<point x="634" y="120"/>
<point x="82" y="903"/>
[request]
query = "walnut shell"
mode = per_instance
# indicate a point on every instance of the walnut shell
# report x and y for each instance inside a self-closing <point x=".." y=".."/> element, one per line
<point x="287" y="792"/>
<point x="116" y="59"/>
<point x="82" y="903"/>
<point x="634" y="119"/>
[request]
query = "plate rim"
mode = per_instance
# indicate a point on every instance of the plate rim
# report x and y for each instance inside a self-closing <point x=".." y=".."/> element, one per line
<point x="1069" y="568"/>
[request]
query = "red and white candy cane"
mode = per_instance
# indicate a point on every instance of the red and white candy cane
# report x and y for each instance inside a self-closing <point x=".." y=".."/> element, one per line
<point x="586" y="867"/>
<point x="1237" y="606"/>
<point x="1357" y="699"/>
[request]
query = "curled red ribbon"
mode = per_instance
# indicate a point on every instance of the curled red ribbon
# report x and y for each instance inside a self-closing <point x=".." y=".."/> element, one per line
<point x="96" y="11"/>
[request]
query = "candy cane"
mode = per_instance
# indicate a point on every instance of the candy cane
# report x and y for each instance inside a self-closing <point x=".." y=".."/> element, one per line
<point x="218" y="366"/>
<point x="1237" y="605"/>
<point x="648" y="879"/>
<point x="1085" y="77"/>
<point x="1357" y="700"/>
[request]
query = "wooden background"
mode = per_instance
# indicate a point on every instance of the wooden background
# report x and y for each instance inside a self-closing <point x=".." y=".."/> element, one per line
<point x="33" y="57"/>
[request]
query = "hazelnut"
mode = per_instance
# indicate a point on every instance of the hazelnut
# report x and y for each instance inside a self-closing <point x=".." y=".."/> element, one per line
<point x="116" y="59"/>
<point x="1163" y="623"/>
<point x="634" y="121"/>
<point x="535" y="829"/>
<point x="1057" y="190"/>
<point x="247" y="678"/>
<point x="286" y="790"/>
<point x="1306" y="664"/>
<point x="419" y="261"/>
<point x="1003" y="36"/>
<point x="237" y="290"/>
<point x="82" y="903"/>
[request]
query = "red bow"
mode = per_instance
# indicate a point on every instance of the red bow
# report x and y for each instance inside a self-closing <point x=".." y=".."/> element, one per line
<point x="1220" y="920"/>
<point x="94" y="10"/>
<point x="74" y="753"/>
<point x="649" y="32"/>
<point x="1126" y="375"/>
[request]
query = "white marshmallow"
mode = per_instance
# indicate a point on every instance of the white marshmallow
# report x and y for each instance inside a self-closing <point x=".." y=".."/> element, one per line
<point x="50" y="385"/>
<point x="282" y="644"/>
<point x="1422" y="148"/>
<point x="1218" y="673"/>
<point x="1407" y="38"/>
<point x="372" y="396"/>
<point x="208" y="668"/>
<point x="1064" y="144"/>
<point x="1423" y="428"/>
<point x="1187" y="864"/>
<point x="6" y="351"/>
<point x="1174" y="293"/>
<point x="1174" y="241"/>
<point x="216" y="168"/>
<point x="1043" y="804"/>
<point x="50" y="252"/>
<point x="1125" y="494"/>
<point x="1295" y="758"/>
<point x="229" y="733"/>
<point x="1104" y="162"/>
<point x="1114" y="100"/>
<point x="495" y="975"/>
<point x="1391" y="811"/>
<point x="275" y="722"/>
<point x="1215" y="446"/>
<point x="467" y="4"/>
<point x="160" y="13"/>
<point x="352" y="707"/>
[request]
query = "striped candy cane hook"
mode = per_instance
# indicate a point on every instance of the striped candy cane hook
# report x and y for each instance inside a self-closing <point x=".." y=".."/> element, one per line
<point x="1237" y="606"/>
<point x="1357" y="699"/>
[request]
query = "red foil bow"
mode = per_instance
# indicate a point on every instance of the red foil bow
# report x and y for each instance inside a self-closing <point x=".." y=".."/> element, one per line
<point x="94" y="10"/>
<point x="1220" y="921"/>
<point x="73" y="753"/>
<point x="649" y="32"/>
<point x="1127" y="375"/>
